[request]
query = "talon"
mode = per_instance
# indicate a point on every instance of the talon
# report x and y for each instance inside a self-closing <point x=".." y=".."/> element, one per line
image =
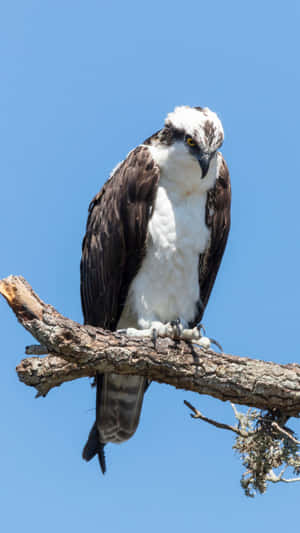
<point x="201" y="329"/>
<point x="154" y="337"/>
<point x="176" y="327"/>
<point x="216" y="343"/>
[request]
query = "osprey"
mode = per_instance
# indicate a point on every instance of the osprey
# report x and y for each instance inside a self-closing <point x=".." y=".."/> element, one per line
<point x="155" y="237"/>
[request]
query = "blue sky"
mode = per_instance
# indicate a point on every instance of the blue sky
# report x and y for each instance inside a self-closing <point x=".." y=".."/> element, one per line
<point x="81" y="84"/>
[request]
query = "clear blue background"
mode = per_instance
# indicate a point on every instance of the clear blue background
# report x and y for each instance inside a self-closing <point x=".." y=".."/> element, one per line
<point x="83" y="82"/>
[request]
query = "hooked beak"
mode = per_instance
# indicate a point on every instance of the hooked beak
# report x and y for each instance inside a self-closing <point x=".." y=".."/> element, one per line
<point x="204" y="160"/>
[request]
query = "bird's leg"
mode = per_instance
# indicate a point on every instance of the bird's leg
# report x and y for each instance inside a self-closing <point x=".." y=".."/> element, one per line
<point x="196" y="334"/>
<point x="154" y="337"/>
<point x="156" y="329"/>
<point x="179" y="330"/>
<point x="207" y="341"/>
<point x="201" y="329"/>
<point x="175" y="330"/>
<point x="217" y="344"/>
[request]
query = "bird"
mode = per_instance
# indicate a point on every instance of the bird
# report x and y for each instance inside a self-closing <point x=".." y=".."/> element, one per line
<point x="155" y="236"/>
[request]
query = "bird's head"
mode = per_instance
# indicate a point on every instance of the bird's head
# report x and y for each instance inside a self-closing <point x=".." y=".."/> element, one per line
<point x="196" y="132"/>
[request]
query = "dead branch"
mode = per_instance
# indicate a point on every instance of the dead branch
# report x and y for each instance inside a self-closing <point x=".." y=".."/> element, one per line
<point x="283" y="431"/>
<point x="212" y="422"/>
<point x="76" y="351"/>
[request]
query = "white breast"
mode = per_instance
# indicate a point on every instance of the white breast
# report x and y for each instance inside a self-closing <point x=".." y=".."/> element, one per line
<point x="166" y="286"/>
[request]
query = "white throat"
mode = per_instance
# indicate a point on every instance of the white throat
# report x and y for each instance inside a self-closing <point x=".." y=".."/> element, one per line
<point x="182" y="171"/>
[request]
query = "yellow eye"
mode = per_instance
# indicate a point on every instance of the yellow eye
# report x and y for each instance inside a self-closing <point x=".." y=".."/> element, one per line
<point x="190" y="142"/>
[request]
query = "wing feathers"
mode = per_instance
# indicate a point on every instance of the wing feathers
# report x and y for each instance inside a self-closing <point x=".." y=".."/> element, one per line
<point x="114" y="244"/>
<point x="218" y="219"/>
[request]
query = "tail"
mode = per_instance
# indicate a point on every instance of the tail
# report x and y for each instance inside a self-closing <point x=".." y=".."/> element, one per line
<point x="118" y="407"/>
<point x="94" y="447"/>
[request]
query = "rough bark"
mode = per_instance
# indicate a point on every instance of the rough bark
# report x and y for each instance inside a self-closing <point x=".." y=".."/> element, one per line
<point x="76" y="351"/>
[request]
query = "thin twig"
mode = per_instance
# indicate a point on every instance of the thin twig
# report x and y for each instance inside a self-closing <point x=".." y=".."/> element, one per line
<point x="291" y="480"/>
<point x="273" y="478"/>
<point x="220" y="425"/>
<point x="236" y="413"/>
<point x="285" y="432"/>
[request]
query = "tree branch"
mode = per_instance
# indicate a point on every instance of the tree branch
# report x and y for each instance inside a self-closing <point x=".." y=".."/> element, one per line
<point x="77" y="351"/>
<point x="219" y="425"/>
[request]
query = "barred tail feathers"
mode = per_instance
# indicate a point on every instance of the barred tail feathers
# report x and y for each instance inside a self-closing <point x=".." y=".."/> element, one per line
<point x="118" y="407"/>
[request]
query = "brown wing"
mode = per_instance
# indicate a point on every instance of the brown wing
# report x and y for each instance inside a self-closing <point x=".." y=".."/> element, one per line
<point x="218" y="219"/>
<point x="114" y="244"/>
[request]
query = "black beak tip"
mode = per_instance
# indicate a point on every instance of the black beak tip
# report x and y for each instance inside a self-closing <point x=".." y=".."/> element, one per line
<point x="204" y="162"/>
